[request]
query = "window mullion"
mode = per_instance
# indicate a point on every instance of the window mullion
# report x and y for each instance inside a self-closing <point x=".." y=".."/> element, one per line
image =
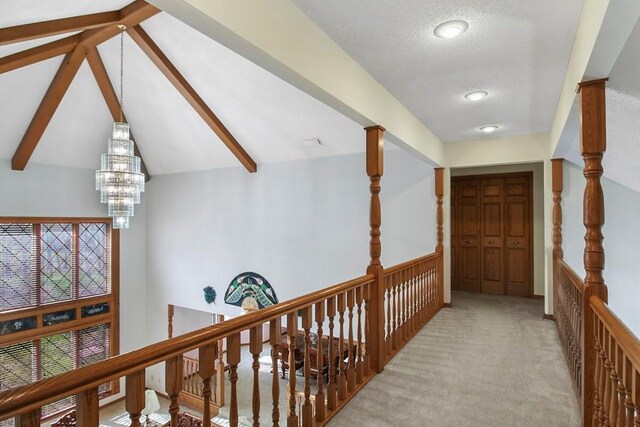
<point x="75" y="285"/>
<point x="37" y="279"/>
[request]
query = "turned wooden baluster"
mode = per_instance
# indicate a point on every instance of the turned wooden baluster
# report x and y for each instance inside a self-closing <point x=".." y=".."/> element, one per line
<point x="332" y="386"/>
<point x="367" y="328"/>
<point x="388" y="286"/>
<point x="403" y="307"/>
<point x="606" y="378"/>
<point x="170" y="313"/>
<point x="359" y="300"/>
<point x="206" y="370"/>
<point x="613" y="379"/>
<point x="255" y="348"/>
<point x="275" y="333"/>
<point x="394" y="342"/>
<point x="622" y="414"/>
<point x="233" y="359"/>
<point x="29" y="419"/>
<point x="351" y="358"/>
<point x="599" y="361"/>
<point x="342" y="374"/>
<point x="628" y="401"/>
<point x="415" y="299"/>
<point x="87" y="408"/>
<point x="636" y="397"/>
<point x="219" y="397"/>
<point x="173" y="385"/>
<point x="292" y="331"/>
<point x="134" y="399"/>
<point x="307" y="409"/>
<point x="320" y="315"/>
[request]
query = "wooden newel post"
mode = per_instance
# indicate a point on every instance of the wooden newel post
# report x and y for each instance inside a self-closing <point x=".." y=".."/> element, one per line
<point x="375" y="154"/>
<point x="593" y="136"/>
<point x="439" y="180"/>
<point x="556" y="188"/>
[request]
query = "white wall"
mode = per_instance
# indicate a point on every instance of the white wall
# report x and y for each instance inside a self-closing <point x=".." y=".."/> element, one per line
<point x="621" y="230"/>
<point x="538" y="212"/>
<point x="303" y="225"/>
<point x="55" y="191"/>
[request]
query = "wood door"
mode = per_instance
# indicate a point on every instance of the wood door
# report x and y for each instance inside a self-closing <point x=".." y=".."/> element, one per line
<point x="469" y="236"/>
<point x="455" y="191"/>
<point x="518" y="236"/>
<point x="492" y="241"/>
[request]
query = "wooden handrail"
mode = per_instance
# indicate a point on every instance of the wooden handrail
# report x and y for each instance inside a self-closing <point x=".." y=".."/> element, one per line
<point x="402" y="266"/>
<point x="624" y="338"/>
<point x="571" y="274"/>
<point x="31" y="397"/>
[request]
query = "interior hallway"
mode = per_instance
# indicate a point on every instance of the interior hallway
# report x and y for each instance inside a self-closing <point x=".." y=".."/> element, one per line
<point x="488" y="361"/>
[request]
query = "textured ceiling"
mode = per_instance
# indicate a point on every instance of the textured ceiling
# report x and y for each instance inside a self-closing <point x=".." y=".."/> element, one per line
<point x="269" y="117"/>
<point x="517" y="50"/>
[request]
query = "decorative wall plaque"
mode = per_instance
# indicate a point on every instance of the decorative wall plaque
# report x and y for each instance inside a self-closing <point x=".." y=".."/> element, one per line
<point x="17" y="325"/>
<point x="250" y="287"/>
<point x="95" y="309"/>
<point x="59" y="317"/>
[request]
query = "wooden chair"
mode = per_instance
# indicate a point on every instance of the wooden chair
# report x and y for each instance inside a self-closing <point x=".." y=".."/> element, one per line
<point x="284" y="359"/>
<point x="187" y="420"/>
<point x="313" y="369"/>
<point x="67" y="420"/>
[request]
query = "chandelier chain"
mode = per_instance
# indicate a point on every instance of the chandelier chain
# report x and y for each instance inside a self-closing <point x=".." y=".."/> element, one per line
<point x="122" y="76"/>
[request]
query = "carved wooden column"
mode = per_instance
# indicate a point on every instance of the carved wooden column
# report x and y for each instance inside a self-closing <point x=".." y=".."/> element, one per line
<point x="593" y="136"/>
<point x="134" y="399"/>
<point x="170" y="313"/>
<point x="556" y="188"/>
<point x="375" y="154"/>
<point x="207" y="369"/>
<point x="87" y="408"/>
<point x="439" y="180"/>
<point x="29" y="419"/>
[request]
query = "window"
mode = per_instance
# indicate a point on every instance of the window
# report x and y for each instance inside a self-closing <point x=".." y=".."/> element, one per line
<point x="58" y="300"/>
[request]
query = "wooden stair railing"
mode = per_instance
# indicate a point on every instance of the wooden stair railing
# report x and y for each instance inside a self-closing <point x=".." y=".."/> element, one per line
<point x="418" y="287"/>
<point x="616" y="369"/>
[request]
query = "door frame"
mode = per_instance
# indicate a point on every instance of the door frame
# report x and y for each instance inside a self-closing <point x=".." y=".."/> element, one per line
<point x="529" y="175"/>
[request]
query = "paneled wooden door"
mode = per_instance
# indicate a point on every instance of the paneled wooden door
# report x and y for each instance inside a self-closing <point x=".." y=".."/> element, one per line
<point x="491" y="234"/>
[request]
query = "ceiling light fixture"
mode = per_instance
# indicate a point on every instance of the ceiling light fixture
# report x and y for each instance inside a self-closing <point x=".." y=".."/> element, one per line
<point x="489" y="129"/>
<point x="451" y="29"/>
<point x="477" y="95"/>
<point x="119" y="179"/>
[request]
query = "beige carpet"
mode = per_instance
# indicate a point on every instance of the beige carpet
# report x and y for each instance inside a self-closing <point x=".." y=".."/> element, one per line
<point x="489" y="361"/>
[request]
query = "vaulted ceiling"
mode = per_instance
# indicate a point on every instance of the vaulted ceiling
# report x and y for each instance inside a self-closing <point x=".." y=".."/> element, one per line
<point x="268" y="117"/>
<point x="516" y="50"/>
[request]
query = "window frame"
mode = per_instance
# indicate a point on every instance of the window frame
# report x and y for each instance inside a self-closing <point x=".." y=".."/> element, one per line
<point x="111" y="319"/>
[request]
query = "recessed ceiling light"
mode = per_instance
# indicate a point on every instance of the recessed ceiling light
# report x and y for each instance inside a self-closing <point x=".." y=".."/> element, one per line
<point x="451" y="29"/>
<point x="489" y="129"/>
<point x="477" y="95"/>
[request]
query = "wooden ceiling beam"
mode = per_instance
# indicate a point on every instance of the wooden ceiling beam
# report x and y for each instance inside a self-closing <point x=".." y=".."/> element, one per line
<point x="173" y="75"/>
<point x="110" y="97"/>
<point x="21" y="33"/>
<point x="129" y="16"/>
<point x="47" y="108"/>
<point x="39" y="53"/>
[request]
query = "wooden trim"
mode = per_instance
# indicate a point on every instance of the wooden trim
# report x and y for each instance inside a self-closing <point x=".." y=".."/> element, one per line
<point x="111" y="99"/>
<point x="154" y="53"/>
<point x="53" y="220"/>
<point x="548" y="317"/>
<point x="491" y="175"/>
<point x="21" y="33"/>
<point x="38" y="53"/>
<point x="48" y="106"/>
<point x="448" y="305"/>
<point x="439" y="190"/>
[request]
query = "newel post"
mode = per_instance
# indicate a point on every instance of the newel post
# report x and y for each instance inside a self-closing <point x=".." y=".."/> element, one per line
<point x="592" y="146"/>
<point x="375" y="153"/>
<point x="439" y="181"/>
<point x="556" y="188"/>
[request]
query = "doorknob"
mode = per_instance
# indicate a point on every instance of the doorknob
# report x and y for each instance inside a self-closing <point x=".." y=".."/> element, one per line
<point x="468" y="242"/>
<point x="492" y="241"/>
<point x="516" y="243"/>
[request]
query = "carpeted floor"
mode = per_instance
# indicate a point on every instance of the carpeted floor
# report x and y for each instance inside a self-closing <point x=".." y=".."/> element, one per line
<point x="488" y="361"/>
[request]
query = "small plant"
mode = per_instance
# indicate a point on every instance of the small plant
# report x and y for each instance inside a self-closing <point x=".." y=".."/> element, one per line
<point x="209" y="295"/>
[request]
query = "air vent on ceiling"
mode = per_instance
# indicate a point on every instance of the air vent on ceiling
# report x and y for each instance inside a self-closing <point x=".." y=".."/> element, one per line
<point x="312" y="142"/>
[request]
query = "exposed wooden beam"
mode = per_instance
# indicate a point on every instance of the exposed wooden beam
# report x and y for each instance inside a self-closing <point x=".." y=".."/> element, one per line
<point x="162" y="62"/>
<point x="47" y="108"/>
<point x="129" y="16"/>
<point x="21" y="33"/>
<point x="39" y="53"/>
<point x="110" y="97"/>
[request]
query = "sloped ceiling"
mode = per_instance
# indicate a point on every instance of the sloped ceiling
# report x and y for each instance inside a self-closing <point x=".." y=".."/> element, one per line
<point x="517" y="50"/>
<point x="622" y="157"/>
<point x="268" y="117"/>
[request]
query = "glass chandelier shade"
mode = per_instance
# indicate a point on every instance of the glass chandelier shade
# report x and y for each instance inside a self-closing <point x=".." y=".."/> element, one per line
<point x="119" y="179"/>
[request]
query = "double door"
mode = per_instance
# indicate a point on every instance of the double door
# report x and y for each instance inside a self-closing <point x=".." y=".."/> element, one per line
<point x="491" y="234"/>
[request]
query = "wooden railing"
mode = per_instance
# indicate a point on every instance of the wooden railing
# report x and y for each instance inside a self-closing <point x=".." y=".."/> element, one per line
<point x="569" y="313"/>
<point x="412" y="297"/>
<point x="617" y="369"/>
<point x="343" y="352"/>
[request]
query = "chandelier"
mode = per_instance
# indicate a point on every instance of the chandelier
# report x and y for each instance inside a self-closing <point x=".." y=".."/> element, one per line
<point x="119" y="179"/>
